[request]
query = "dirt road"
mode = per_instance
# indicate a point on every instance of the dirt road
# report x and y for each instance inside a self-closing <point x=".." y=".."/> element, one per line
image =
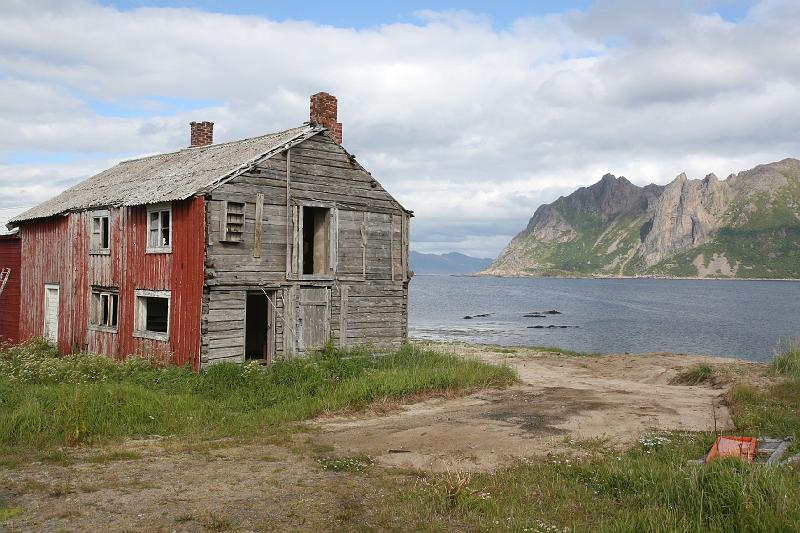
<point x="560" y="399"/>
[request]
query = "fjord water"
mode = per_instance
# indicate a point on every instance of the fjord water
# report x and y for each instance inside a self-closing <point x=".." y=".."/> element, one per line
<point x="732" y="318"/>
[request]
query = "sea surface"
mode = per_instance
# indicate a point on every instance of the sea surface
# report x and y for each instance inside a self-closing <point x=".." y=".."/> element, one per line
<point x="732" y="318"/>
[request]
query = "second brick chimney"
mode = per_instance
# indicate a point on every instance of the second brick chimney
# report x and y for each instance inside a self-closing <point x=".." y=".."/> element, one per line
<point x="202" y="134"/>
<point x="323" y="112"/>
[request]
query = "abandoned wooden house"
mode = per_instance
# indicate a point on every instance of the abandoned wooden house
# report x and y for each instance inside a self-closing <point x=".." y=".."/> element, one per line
<point x="252" y="249"/>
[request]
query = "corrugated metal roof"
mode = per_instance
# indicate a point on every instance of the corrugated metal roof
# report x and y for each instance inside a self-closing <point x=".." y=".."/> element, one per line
<point x="167" y="177"/>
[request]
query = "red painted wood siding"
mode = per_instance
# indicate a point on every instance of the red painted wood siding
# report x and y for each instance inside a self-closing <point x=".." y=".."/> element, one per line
<point x="56" y="250"/>
<point x="10" y="249"/>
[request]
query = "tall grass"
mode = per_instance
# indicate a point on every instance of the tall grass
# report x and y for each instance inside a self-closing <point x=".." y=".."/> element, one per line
<point x="787" y="361"/>
<point x="46" y="399"/>
<point x="648" y="488"/>
<point x="695" y="375"/>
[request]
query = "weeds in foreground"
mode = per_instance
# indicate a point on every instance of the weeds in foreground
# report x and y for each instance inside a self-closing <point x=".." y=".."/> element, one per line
<point x="356" y="465"/>
<point x="695" y="375"/>
<point x="648" y="488"/>
<point x="51" y="400"/>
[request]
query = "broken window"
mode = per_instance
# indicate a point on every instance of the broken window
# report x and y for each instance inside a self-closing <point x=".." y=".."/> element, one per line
<point x="100" y="231"/>
<point x="316" y="224"/>
<point x="234" y="222"/>
<point x="152" y="314"/>
<point x="159" y="224"/>
<point x="104" y="308"/>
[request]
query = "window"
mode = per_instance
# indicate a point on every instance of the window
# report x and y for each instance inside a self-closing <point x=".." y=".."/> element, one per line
<point x="234" y="222"/>
<point x="152" y="314"/>
<point x="159" y="225"/>
<point x="100" y="232"/>
<point x="316" y="247"/>
<point x="103" y="310"/>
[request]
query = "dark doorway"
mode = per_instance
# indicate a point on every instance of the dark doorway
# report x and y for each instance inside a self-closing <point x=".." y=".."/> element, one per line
<point x="259" y="337"/>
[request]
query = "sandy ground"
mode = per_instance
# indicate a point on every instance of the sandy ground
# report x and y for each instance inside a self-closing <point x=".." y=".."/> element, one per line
<point x="269" y="486"/>
<point x="255" y="487"/>
<point x="559" y="400"/>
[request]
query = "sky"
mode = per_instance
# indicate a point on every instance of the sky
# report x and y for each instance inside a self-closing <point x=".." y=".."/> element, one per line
<point x="470" y="113"/>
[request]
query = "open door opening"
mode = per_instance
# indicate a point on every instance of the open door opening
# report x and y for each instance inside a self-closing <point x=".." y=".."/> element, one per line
<point x="316" y="240"/>
<point x="259" y="337"/>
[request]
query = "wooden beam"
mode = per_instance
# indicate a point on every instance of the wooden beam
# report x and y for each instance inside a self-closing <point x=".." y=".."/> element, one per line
<point x="343" y="315"/>
<point x="364" y="245"/>
<point x="259" y="224"/>
<point x="288" y="214"/>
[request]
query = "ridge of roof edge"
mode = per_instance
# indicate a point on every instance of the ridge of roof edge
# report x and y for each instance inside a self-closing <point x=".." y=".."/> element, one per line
<point x="305" y="125"/>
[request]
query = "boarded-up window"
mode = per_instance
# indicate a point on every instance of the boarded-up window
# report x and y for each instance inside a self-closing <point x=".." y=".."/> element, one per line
<point x="152" y="314"/>
<point x="104" y="308"/>
<point x="233" y="229"/>
<point x="100" y="231"/>
<point x="159" y="226"/>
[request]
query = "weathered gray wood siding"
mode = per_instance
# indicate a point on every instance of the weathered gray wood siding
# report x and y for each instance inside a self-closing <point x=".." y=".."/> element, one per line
<point x="367" y="292"/>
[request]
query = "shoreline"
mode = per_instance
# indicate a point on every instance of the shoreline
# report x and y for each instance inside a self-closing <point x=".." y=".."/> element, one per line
<point x="577" y="353"/>
<point x="681" y="278"/>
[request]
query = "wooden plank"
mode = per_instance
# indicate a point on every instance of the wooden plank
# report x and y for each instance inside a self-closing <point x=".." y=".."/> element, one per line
<point x="344" y="295"/>
<point x="779" y="451"/>
<point x="259" y="225"/>
<point x="288" y="212"/>
<point x="296" y="232"/>
<point x="391" y="246"/>
<point x="364" y="244"/>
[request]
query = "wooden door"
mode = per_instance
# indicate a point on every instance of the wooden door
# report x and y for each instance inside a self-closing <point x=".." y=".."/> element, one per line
<point x="51" y="313"/>
<point x="313" y="318"/>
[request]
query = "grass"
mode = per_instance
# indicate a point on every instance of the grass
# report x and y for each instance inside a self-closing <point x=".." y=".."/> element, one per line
<point x="7" y="513"/>
<point x="649" y="487"/>
<point x="695" y="375"/>
<point x="47" y="400"/>
<point x="787" y="362"/>
<point x="564" y="351"/>
<point x="346" y="464"/>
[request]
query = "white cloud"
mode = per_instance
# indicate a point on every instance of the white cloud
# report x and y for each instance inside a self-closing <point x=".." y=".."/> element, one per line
<point x="470" y="126"/>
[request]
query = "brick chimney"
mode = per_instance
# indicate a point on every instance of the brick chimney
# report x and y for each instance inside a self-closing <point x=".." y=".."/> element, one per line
<point x="323" y="112"/>
<point x="202" y="134"/>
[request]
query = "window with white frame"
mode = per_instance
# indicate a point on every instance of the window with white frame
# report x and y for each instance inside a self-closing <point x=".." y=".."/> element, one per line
<point x="104" y="308"/>
<point x="100" y="227"/>
<point x="152" y="314"/>
<point x="234" y="222"/>
<point x="159" y="228"/>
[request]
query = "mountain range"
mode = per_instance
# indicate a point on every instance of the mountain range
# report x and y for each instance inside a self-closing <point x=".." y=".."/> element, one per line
<point x="449" y="263"/>
<point x="746" y="226"/>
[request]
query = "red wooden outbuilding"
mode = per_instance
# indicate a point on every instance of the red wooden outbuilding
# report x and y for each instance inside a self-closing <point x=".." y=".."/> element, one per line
<point x="10" y="247"/>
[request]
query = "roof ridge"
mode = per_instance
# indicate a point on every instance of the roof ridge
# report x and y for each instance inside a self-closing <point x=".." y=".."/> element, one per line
<point x="226" y="143"/>
<point x="169" y="176"/>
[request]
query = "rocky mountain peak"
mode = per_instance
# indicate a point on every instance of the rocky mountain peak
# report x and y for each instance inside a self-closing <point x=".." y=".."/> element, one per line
<point x="614" y="226"/>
